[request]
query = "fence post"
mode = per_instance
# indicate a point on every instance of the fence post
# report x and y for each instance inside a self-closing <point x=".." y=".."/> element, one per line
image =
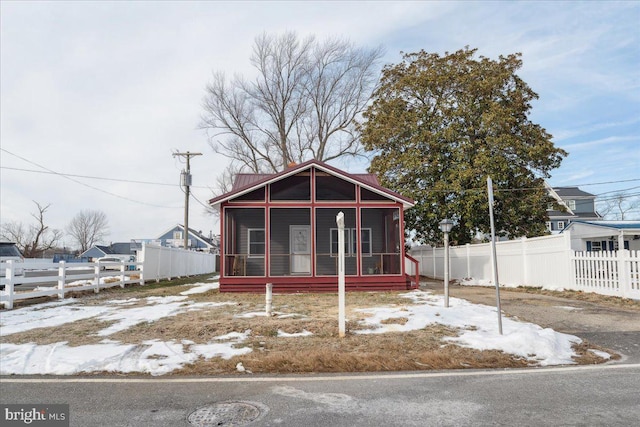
<point x="122" y="278"/>
<point x="525" y="262"/>
<point x="62" y="278"/>
<point x="433" y="258"/>
<point x="468" y="246"/>
<point x="9" y="284"/>
<point x="624" y="273"/>
<point x="96" y="278"/>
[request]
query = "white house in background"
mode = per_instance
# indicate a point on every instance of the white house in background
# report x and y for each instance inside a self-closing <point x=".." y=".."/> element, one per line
<point x="578" y="206"/>
<point x="595" y="236"/>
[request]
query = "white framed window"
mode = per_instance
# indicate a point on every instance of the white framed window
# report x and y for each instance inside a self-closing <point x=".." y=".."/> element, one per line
<point x="365" y="242"/>
<point x="549" y="225"/>
<point x="351" y="242"/>
<point x="177" y="235"/>
<point x="333" y="242"/>
<point x="571" y="204"/>
<point x="596" y="246"/>
<point x="560" y="225"/>
<point x="256" y="242"/>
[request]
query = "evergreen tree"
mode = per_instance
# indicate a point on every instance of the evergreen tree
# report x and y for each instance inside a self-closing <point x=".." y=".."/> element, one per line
<point x="439" y="125"/>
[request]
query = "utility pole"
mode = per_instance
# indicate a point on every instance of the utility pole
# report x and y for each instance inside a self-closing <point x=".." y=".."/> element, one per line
<point x="185" y="180"/>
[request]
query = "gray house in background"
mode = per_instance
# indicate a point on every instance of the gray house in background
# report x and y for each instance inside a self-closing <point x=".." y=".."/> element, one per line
<point x="122" y="250"/>
<point x="576" y="205"/>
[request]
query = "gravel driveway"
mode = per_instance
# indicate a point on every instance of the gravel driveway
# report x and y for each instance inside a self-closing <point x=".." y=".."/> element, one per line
<point x="600" y="323"/>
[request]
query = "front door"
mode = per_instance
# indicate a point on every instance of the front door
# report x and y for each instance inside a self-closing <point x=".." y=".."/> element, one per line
<point x="300" y="249"/>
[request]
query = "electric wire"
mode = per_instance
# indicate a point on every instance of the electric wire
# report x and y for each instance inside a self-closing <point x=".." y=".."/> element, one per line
<point x="87" y="185"/>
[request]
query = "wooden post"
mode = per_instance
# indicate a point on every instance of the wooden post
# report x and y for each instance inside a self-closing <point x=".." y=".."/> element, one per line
<point x="269" y="299"/>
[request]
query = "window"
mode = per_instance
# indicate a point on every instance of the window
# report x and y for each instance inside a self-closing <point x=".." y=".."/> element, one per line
<point x="594" y="246"/>
<point x="177" y="235"/>
<point x="571" y="204"/>
<point x="549" y="225"/>
<point x="560" y="225"/>
<point x="365" y="242"/>
<point x="333" y="242"/>
<point x="351" y="241"/>
<point x="256" y="242"/>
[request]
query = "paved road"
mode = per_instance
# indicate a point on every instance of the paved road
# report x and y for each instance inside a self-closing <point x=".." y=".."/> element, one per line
<point x="613" y="327"/>
<point x="584" y="396"/>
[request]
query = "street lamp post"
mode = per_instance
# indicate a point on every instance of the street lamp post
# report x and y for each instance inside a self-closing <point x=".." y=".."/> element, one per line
<point x="445" y="226"/>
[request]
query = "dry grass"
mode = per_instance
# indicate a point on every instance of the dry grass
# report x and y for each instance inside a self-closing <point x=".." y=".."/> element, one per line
<point x="606" y="300"/>
<point x="323" y="351"/>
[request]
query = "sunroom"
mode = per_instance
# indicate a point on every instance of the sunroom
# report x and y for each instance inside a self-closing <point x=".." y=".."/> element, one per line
<point x="281" y="229"/>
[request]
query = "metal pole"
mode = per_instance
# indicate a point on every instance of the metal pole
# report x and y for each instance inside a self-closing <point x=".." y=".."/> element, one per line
<point x="494" y="258"/>
<point x="446" y="269"/>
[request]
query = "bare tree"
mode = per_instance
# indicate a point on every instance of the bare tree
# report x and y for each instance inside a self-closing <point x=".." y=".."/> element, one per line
<point x="88" y="227"/>
<point x="620" y="206"/>
<point x="303" y="105"/>
<point x="32" y="240"/>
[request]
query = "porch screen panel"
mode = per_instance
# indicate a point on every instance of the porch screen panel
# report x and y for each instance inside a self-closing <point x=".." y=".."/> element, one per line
<point x="326" y="262"/>
<point x="281" y="257"/>
<point x="293" y="188"/>
<point x="386" y="239"/>
<point x="329" y="187"/>
<point x="238" y="239"/>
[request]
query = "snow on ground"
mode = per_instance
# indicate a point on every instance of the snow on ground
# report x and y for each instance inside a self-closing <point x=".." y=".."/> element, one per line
<point x="284" y="334"/>
<point x="478" y="324"/>
<point x="479" y="328"/>
<point x="200" y="288"/>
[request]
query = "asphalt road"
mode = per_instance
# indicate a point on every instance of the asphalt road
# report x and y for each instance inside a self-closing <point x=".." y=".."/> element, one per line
<point x="582" y="396"/>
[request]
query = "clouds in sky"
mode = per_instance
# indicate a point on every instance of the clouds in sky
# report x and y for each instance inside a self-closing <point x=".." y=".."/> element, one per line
<point x="110" y="89"/>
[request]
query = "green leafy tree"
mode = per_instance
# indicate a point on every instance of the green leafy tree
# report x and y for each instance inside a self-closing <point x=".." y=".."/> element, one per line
<point x="439" y="125"/>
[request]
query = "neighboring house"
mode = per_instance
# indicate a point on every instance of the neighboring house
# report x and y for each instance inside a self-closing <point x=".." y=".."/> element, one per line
<point x="577" y="205"/>
<point x="595" y="236"/>
<point x="174" y="237"/>
<point x="121" y="250"/>
<point x="281" y="229"/>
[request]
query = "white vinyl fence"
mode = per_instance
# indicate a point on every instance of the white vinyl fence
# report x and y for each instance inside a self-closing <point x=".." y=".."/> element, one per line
<point x="154" y="263"/>
<point x="547" y="262"/>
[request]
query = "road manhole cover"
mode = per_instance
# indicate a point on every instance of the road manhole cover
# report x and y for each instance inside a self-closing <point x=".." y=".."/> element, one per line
<point x="227" y="414"/>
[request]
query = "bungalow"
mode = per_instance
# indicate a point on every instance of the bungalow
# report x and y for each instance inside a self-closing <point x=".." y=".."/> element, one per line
<point x="281" y="229"/>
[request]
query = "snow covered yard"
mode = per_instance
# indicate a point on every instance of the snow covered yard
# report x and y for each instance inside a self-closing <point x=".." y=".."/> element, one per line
<point x="193" y="329"/>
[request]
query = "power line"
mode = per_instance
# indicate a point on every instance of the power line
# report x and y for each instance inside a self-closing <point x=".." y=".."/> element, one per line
<point x="128" y="181"/>
<point x="87" y="185"/>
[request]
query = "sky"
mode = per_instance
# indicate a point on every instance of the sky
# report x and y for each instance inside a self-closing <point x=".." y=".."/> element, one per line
<point x="95" y="97"/>
<point x="477" y="324"/>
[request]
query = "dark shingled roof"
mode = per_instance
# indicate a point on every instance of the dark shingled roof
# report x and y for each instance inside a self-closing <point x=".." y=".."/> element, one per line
<point x="571" y="192"/>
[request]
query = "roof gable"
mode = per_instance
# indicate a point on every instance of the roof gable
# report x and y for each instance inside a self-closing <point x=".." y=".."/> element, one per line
<point x="246" y="183"/>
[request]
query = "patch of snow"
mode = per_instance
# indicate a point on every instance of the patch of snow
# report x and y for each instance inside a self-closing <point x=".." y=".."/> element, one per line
<point x="200" y="288"/>
<point x="602" y="354"/>
<point x="568" y="307"/>
<point x="304" y="333"/>
<point x="216" y="277"/>
<point x="251" y="315"/>
<point x="28" y="318"/>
